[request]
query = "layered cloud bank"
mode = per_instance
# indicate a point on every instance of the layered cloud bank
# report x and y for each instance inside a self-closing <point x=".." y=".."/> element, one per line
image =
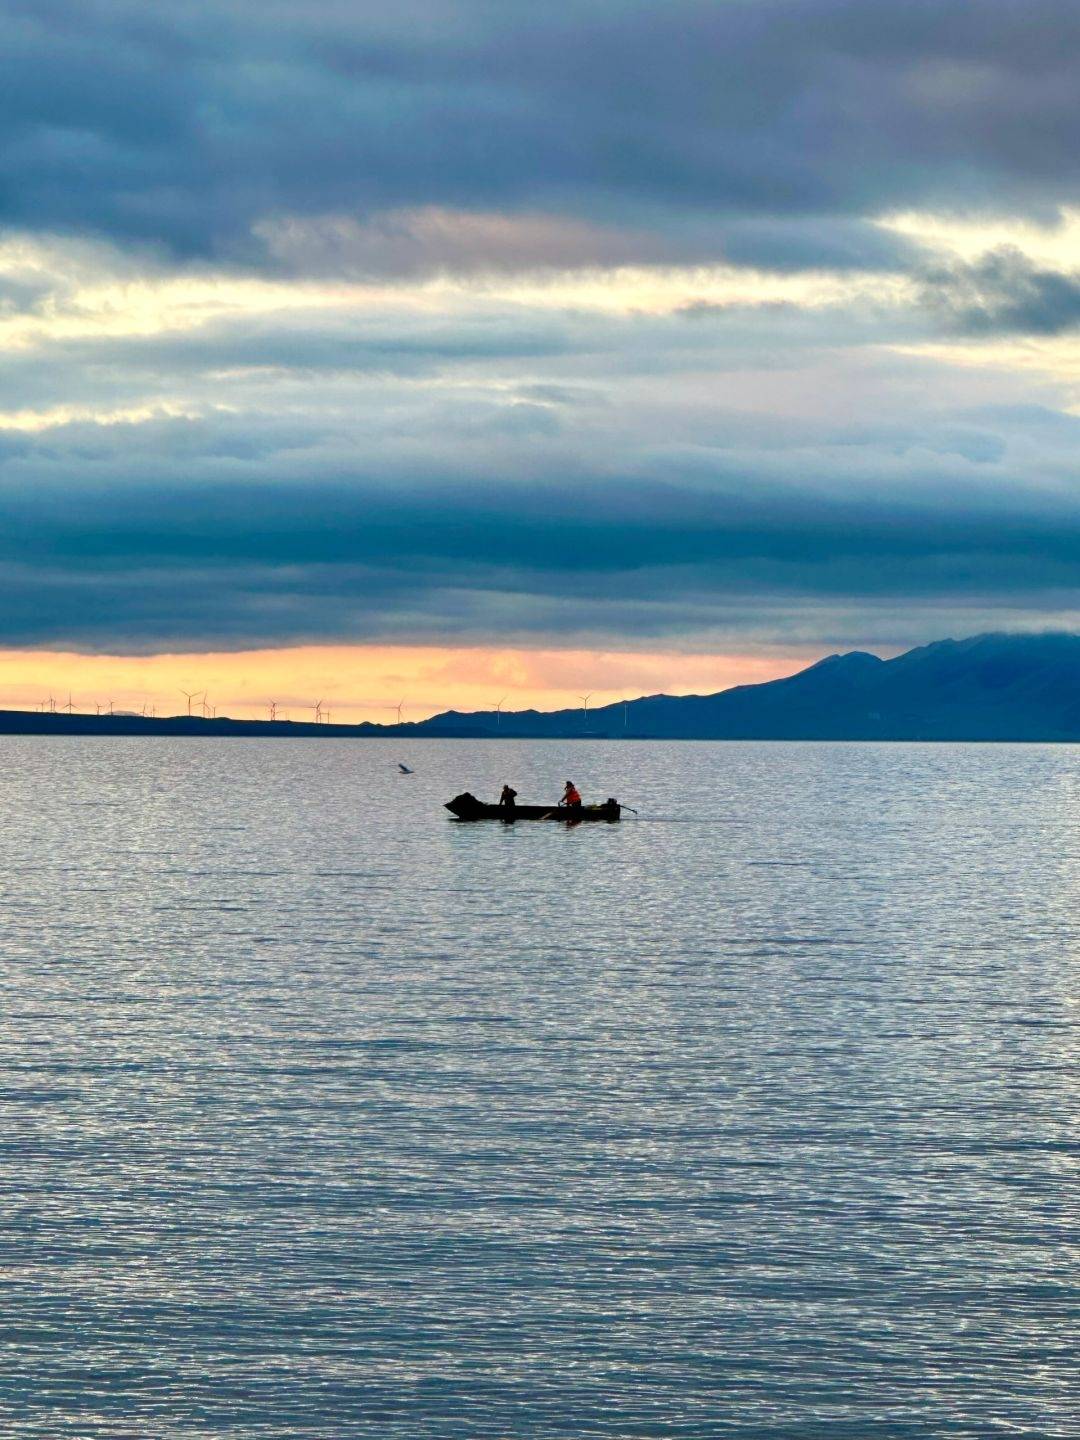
<point x="704" y="328"/>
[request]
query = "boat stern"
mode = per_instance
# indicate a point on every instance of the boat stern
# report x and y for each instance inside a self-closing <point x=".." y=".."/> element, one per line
<point x="464" y="806"/>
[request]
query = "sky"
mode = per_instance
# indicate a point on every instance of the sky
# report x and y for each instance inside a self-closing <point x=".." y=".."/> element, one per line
<point x="443" y="352"/>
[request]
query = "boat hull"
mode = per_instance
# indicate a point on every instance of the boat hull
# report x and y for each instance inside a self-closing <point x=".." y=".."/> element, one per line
<point x="467" y="807"/>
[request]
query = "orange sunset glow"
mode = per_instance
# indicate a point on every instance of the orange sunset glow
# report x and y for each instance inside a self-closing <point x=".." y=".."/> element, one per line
<point x="367" y="682"/>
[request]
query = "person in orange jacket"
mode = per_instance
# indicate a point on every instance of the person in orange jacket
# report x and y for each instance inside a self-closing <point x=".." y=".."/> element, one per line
<point x="571" y="798"/>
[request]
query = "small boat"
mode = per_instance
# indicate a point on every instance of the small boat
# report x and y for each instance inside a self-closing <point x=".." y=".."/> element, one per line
<point x="468" y="807"/>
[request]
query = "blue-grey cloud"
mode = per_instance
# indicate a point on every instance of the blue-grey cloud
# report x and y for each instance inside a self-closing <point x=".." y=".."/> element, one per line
<point x="186" y="127"/>
<point x="1004" y="293"/>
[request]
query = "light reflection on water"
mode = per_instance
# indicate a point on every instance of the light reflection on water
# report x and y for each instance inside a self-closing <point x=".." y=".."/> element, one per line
<point x="324" y="1115"/>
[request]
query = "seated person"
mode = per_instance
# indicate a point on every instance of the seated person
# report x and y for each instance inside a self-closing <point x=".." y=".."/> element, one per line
<point x="570" y="797"/>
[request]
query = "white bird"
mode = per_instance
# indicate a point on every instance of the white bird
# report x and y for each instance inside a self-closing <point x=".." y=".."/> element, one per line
<point x="404" y="769"/>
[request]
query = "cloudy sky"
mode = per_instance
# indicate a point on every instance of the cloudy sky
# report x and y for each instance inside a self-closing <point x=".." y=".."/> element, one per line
<point x="454" y="349"/>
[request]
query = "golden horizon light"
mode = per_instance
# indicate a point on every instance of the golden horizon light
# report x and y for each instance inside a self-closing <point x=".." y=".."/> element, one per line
<point x="366" y="682"/>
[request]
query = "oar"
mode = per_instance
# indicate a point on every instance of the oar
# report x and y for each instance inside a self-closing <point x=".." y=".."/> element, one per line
<point x="628" y="807"/>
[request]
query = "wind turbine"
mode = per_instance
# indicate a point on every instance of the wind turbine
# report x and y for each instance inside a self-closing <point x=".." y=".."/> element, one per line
<point x="110" y="707"/>
<point x="318" y="712"/>
<point x="69" y="707"/>
<point x="625" y="713"/>
<point x="52" y="706"/>
<point x="273" y="709"/>
<point x="585" y="705"/>
<point x="399" y="707"/>
<point x="190" y="696"/>
<point x="326" y="717"/>
<point x="498" y="713"/>
<point x="207" y="712"/>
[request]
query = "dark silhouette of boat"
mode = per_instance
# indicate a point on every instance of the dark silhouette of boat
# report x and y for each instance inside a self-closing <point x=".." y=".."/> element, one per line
<point x="468" y="807"/>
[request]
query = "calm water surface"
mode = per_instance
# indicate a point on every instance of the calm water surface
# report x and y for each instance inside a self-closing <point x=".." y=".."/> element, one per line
<point x="326" y="1116"/>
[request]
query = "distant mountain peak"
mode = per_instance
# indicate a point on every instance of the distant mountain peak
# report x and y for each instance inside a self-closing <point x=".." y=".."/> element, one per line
<point x="848" y="659"/>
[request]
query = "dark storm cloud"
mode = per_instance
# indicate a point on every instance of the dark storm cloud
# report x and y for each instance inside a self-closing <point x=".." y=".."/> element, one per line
<point x="157" y="549"/>
<point x="186" y="126"/>
<point x="1004" y="293"/>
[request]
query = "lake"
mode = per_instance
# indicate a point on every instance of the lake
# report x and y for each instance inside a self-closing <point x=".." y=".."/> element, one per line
<point x="327" y="1116"/>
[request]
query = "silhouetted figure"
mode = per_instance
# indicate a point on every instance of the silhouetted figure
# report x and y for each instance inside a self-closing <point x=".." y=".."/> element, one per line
<point x="571" y="799"/>
<point x="507" y="798"/>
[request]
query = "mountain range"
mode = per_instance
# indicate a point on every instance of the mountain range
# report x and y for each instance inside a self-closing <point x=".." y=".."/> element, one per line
<point x="990" y="687"/>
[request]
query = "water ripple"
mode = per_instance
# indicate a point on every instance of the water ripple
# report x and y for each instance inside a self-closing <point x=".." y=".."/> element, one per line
<point x="326" y="1117"/>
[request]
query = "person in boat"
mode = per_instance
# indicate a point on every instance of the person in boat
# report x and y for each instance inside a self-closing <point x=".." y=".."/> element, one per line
<point x="507" y="798"/>
<point x="570" y="798"/>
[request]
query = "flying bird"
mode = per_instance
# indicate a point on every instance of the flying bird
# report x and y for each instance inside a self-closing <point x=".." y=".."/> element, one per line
<point x="404" y="769"/>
